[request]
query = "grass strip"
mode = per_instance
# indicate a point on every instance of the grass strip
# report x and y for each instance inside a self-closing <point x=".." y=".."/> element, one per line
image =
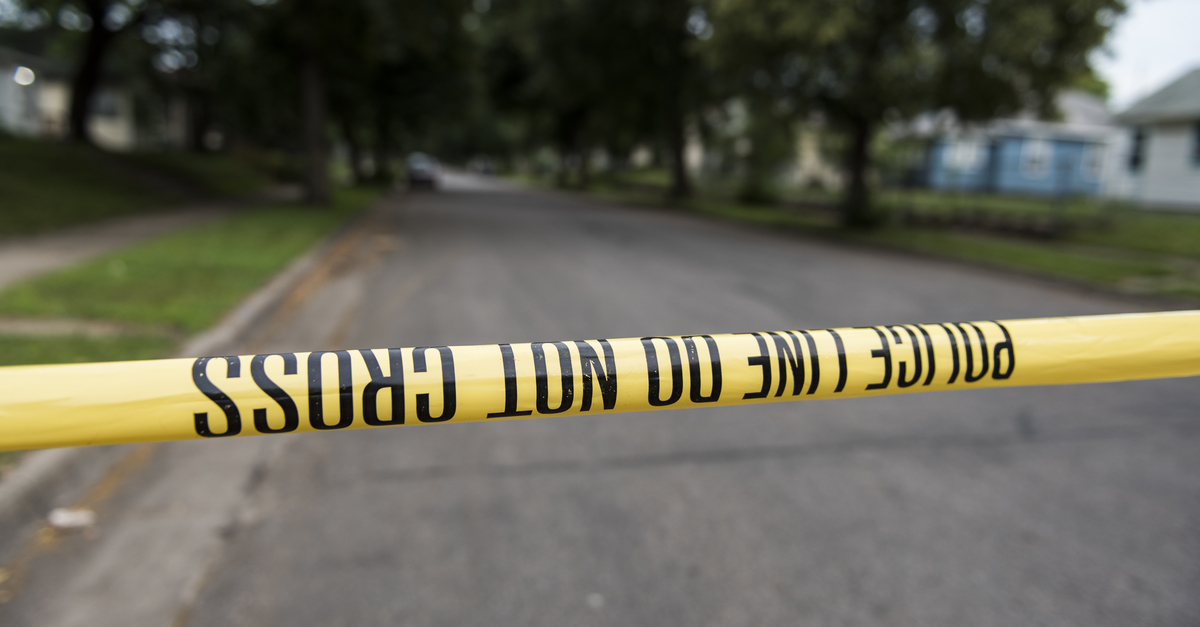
<point x="16" y="350"/>
<point x="1039" y="258"/>
<point x="1137" y="245"/>
<point x="186" y="280"/>
<point x="220" y="174"/>
<point x="1045" y="258"/>
<point x="49" y="185"/>
<point x="1100" y="222"/>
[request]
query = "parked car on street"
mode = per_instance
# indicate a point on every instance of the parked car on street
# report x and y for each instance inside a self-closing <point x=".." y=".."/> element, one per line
<point x="423" y="171"/>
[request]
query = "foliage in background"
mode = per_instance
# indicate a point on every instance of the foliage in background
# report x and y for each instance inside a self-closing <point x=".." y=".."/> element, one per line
<point x="864" y="63"/>
<point x="517" y="78"/>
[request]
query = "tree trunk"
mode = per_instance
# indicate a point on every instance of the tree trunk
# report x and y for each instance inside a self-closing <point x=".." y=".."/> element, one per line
<point x="87" y="79"/>
<point x="856" y="212"/>
<point x="675" y="66"/>
<point x="383" y="147"/>
<point x="316" y="157"/>
<point x="585" y="170"/>
<point x="355" y="150"/>
<point x="563" y="177"/>
<point x="676" y="143"/>
<point x="197" y="124"/>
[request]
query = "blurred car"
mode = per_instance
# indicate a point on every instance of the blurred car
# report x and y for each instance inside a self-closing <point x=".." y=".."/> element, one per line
<point x="485" y="166"/>
<point x="423" y="171"/>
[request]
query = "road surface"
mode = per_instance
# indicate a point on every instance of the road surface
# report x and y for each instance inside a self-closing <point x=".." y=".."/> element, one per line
<point x="1057" y="506"/>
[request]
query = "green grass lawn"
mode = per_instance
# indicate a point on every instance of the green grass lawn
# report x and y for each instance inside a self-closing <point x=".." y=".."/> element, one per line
<point x="17" y="350"/>
<point x="186" y="281"/>
<point x="1148" y="231"/>
<point x="219" y="174"/>
<point x="1047" y="259"/>
<point x="48" y="185"/>
<point x="929" y="201"/>
<point x="1110" y="246"/>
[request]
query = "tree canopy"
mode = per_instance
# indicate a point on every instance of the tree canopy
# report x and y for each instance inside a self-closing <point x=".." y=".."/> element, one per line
<point x="510" y="77"/>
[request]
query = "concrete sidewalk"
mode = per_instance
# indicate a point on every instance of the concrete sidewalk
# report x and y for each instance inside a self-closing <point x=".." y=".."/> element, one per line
<point x="26" y="257"/>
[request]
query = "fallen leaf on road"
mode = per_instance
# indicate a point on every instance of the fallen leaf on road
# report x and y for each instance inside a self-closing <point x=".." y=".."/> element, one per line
<point x="71" y="518"/>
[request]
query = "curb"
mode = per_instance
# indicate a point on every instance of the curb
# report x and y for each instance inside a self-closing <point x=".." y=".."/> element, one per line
<point x="56" y="477"/>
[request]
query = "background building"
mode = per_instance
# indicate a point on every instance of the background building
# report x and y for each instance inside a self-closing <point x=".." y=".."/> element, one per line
<point x="1160" y="147"/>
<point x="1024" y="155"/>
<point x="35" y="101"/>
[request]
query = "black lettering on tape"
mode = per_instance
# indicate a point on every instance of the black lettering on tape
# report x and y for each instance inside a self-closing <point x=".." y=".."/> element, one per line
<point x="449" y="392"/>
<point x="714" y="360"/>
<point x="653" y="374"/>
<point x="789" y="360"/>
<point x="1005" y="346"/>
<point x="929" y="353"/>
<point x="316" y="409"/>
<point x="541" y="376"/>
<point x="812" y="361"/>
<point x="901" y="379"/>
<point x="968" y="375"/>
<point x="510" y="386"/>
<point x="378" y="382"/>
<point x="884" y="352"/>
<point x="606" y="374"/>
<point x="762" y="360"/>
<point x="291" y="415"/>
<point x="233" y="418"/>
<point x="841" y="354"/>
<point x="953" y="353"/>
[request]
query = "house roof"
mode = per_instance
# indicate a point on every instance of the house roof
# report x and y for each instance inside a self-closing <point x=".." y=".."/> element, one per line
<point x="1049" y="130"/>
<point x="1084" y="117"/>
<point x="1081" y="108"/>
<point x="1178" y="101"/>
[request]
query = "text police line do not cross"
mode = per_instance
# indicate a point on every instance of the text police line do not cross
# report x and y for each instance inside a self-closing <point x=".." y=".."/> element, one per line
<point x="215" y="397"/>
<point x="903" y="356"/>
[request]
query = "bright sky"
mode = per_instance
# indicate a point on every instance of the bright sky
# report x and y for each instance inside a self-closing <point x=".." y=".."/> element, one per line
<point x="1154" y="43"/>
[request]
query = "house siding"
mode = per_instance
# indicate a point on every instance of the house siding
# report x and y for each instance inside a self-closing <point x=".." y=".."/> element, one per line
<point x="944" y="174"/>
<point x="18" y="104"/>
<point x="1002" y="167"/>
<point x="1170" y="175"/>
<point x="1065" y="169"/>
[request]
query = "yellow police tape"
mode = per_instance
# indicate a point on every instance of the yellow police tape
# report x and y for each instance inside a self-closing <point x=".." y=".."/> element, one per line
<point x="175" y="399"/>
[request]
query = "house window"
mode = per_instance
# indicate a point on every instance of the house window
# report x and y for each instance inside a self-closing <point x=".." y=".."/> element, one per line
<point x="1093" y="161"/>
<point x="1035" y="157"/>
<point x="965" y="155"/>
<point x="1137" y="150"/>
<point x="1196" y="144"/>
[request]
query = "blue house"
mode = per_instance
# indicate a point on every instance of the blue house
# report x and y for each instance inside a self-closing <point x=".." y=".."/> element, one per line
<point x="1026" y="156"/>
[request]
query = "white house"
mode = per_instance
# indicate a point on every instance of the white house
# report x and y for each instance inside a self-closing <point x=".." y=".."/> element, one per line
<point x="1161" y="148"/>
<point x="19" y="113"/>
<point x="35" y="101"/>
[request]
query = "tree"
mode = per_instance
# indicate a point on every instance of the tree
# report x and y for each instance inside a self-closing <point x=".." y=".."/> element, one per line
<point x="102" y="23"/>
<point x="583" y="74"/>
<point x="154" y="45"/>
<point x="860" y="62"/>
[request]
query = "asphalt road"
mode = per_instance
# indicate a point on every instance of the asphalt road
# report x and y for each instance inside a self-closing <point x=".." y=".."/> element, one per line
<point x="1055" y="506"/>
